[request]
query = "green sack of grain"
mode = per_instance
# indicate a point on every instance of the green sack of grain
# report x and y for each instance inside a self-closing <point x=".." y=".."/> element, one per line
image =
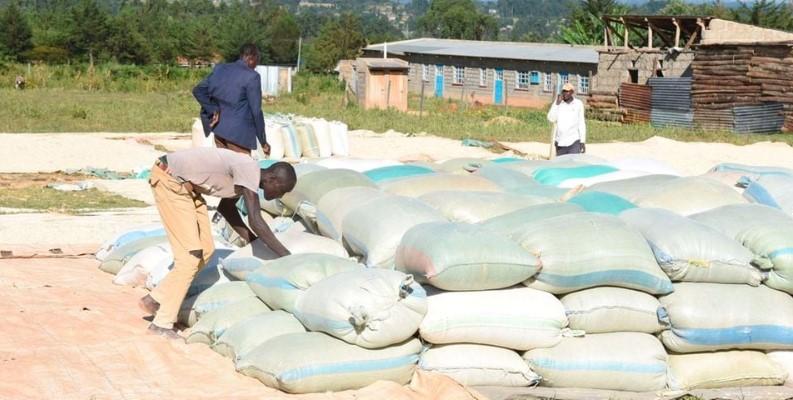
<point x="603" y="203"/>
<point x="723" y="369"/>
<point x="478" y="365"/>
<point x="244" y="336"/>
<point x="690" y="195"/>
<point x="336" y="204"/>
<point x="632" y="188"/>
<point x="627" y="361"/>
<point x="216" y="297"/>
<point x="375" y="229"/>
<point x="610" y="309"/>
<point x="473" y="207"/>
<point x="371" y="308"/>
<point x="690" y="251"/>
<point x="416" y="186"/>
<point x="213" y="324"/>
<point x="580" y="251"/>
<point x="312" y="186"/>
<point x="520" y="318"/>
<point x="712" y="316"/>
<point x="513" y="223"/>
<point x="315" y="362"/>
<point x="454" y="256"/>
<point x="281" y="281"/>
<point x="118" y="256"/>
<point x="766" y="231"/>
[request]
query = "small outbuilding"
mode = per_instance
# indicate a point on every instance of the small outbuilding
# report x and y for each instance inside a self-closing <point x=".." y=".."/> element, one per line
<point x="381" y="83"/>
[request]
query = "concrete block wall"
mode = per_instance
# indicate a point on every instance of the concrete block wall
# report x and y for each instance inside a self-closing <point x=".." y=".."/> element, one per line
<point x="614" y="67"/>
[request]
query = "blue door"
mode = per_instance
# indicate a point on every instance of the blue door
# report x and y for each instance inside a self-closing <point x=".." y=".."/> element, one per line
<point x="498" y="86"/>
<point x="439" y="81"/>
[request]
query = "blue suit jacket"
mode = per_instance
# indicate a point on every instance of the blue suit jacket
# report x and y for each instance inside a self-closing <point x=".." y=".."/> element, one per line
<point x="235" y="91"/>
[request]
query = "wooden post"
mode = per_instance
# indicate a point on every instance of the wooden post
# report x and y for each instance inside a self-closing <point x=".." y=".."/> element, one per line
<point x="649" y="34"/>
<point x="677" y="32"/>
<point x="421" y="100"/>
<point x="625" y="31"/>
<point x="388" y="93"/>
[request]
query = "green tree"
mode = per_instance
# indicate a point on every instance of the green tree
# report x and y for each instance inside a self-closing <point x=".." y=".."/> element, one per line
<point x="457" y="19"/>
<point x="766" y="13"/>
<point x="89" y="29"/>
<point x="585" y="23"/>
<point x="283" y="34"/>
<point x="340" y="39"/>
<point x="15" y="33"/>
<point x="125" y="43"/>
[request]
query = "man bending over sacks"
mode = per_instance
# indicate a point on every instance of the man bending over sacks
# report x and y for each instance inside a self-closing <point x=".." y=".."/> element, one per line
<point x="179" y="181"/>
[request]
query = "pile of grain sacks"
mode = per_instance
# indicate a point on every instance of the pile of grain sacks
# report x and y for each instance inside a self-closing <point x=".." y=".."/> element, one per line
<point x="292" y="137"/>
<point x="494" y="273"/>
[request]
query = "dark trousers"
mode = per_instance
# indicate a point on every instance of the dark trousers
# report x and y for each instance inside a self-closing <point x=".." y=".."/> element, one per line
<point x="574" y="148"/>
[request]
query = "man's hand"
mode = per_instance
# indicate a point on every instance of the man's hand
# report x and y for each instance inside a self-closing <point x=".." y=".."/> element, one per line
<point x="215" y="119"/>
<point x="266" y="149"/>
<point x="558" y="99"/>
<point x="583" y="148"/>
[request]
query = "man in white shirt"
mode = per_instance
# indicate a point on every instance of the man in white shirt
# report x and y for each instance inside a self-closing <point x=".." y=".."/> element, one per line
<point x="567" y="113"/>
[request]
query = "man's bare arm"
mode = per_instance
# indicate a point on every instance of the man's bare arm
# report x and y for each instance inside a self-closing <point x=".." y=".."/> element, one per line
<point x="228" y="209"/>
<point x="258" y="225"/>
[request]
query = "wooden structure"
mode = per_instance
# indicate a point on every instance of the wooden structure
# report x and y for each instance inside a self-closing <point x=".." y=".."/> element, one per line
<point x="655" y="31"/>
<point x="381" y="83"/>
<point x="729" y="75"/>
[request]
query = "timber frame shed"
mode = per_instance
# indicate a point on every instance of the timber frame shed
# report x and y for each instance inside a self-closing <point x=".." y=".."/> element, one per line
<point x="671" y="30"/>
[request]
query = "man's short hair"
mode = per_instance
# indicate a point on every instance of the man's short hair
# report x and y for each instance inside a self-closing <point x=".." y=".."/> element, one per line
<point x="285" y="174"/>
<point x="250" y="50"/>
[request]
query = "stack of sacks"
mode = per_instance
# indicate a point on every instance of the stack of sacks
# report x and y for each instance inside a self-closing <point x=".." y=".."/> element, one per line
<point x="392" y="172"/>
<point x="478" y="324"/>
<point x="356" y="164"/>
<point x="473" y="207"/>
<point x="711" y="322"/>
<point x="360" y="326"/>
<point x="515" y="181"/>
<point x="416" y="186"/>
<point x="767" y="232"/>
<point x="294" y="138"/>
<point x="607" y="275"/>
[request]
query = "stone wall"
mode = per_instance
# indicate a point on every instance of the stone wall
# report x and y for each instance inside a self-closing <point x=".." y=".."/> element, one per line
<point x="614" y="66"/>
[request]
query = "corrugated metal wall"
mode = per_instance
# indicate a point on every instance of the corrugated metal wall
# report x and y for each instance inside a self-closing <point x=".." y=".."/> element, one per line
<point x="671" y="102"/>
<point x="635" y="99"/>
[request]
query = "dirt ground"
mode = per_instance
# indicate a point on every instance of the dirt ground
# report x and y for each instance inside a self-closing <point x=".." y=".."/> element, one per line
<point x="69" y="333"/>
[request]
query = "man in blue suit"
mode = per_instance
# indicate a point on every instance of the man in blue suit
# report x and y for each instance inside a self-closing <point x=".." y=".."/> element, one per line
<point x="231" y="103"/>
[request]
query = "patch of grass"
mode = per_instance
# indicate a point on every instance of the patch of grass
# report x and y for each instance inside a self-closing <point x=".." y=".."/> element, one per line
<point x="47" y="199"/>
<point x="72" y="110"/>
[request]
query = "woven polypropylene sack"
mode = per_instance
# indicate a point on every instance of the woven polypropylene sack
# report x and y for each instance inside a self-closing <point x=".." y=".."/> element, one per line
<point x="478" y="365"/>
<point x="690" y="195"/>
<point x="690" y="251"/>
<point x="213" y="324"/>
<point x="473" y="207"/>
<point x="784" y="359"/>
<point x="723" y="369"/>
<point x="766" y="231"/>
<point x="454" y="256"/>
<point x="218" y="296"/>
<point x="392" y="172"/>
<point x="611" y="361"/>
<point x="513" y="223"/>
<point x="334" y="206"/>
<point x="281" y="282"/>
<point x="138" y="268"/>
<point x="610" y="309"/>
<point x="711" y="316"/>
<point x="771" y="190"/>
<point x="375" y="229"/>
<point x="580" y="251"/>
<point x="371" y="308"/>
<point x="118" y="256"/>
<point x="244" y="336"/>
<point x="313" y="185"/>
<point x="519" y="318"/>
<point x="416" y="186"/>
<point x="128" y="236"/>
<point x="602" y="203"/>
<point x="633" y="188"/>
<point x="315" y="362"/>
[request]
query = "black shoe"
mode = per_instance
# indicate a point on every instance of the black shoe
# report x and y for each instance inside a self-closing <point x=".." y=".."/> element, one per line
<point x="167" y="333"/>
<point x="148" y="304"/>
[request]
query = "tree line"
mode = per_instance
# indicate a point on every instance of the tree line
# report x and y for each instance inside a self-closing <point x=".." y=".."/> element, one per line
<point x="143" y="32"/>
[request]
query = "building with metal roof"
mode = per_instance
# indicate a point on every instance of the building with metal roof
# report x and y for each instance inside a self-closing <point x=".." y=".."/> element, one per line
<point x="507" y="73"/>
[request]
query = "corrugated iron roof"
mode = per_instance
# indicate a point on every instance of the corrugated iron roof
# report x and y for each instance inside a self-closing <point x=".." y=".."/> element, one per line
<point x="502" y="50"/>
<point x="385" y="63"/>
